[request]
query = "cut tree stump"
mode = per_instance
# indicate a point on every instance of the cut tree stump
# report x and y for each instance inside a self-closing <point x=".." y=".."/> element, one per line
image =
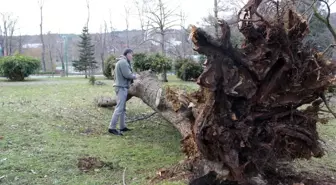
<point x="245" y="117"/>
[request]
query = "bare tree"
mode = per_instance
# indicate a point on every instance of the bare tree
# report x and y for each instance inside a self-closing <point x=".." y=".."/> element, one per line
<point x="11" y="29"/>
<point x="51" y="47"/>
<point x="91" y="71"/>
<point x="1" y="41"/>
<point x="216" y="16"/>
<point x="5" y="18"/>
<point x="88" y="9"/>
<point x="127" y="14"/>
<point x="41" y="3"/>
<point x="325" y="20"/>
<point x="20" y="44"/>
<point x="144" y="21"/>
<point x="101" y="43"/>
<point x="8" y="28"/>
<point x="183" y="48"/>
<point x="161" y="19"/>
<point x="59" y="52"/>
<point x="221" y="6"/>
<point x="183" y="33"/>
<point x="111" y="39"/>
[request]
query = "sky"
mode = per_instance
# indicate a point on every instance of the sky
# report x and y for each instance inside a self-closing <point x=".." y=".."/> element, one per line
<point x="69" y="16"/>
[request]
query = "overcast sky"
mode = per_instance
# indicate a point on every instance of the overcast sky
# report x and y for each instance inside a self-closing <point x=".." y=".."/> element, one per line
<point x="69" y="16"/>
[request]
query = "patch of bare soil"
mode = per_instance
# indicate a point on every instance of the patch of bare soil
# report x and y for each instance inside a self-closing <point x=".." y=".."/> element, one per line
<point x="86" y="164"/>
<point x="177" y="172"/>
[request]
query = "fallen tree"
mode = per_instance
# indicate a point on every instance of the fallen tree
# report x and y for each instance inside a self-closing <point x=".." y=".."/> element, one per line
<point x="248" y="114"/>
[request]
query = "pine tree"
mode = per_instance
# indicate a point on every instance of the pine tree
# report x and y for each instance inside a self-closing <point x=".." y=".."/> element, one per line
<point x="86" y="60"/>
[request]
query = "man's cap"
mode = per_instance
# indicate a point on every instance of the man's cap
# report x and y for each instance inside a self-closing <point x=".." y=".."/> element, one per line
<point x="127" y="51"/>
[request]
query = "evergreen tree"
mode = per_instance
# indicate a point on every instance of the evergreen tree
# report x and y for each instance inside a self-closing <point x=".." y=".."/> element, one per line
<point x="86" y="60"/>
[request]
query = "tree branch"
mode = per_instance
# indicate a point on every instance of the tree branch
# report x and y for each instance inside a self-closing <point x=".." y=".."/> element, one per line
<point x="327" y="105"/>
<point x="141" y="118"/>
<point x="325" y="20"/>
<point x="327" y="49"/>
<point x="124" y="173"/>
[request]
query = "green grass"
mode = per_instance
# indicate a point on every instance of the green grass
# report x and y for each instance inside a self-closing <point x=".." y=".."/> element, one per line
<point x="174" y="82"/>
<point x="325" y="166"/>
<point x="47" y="124"/>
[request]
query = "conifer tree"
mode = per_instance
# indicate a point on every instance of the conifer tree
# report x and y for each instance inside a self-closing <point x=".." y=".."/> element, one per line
<point x="86" y="60"/>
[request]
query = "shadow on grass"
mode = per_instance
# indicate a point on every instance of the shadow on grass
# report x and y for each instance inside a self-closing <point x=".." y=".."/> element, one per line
<point x="26" y="80"/>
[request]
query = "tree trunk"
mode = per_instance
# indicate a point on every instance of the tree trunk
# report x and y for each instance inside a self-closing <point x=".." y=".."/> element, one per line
<point x="51" y="60"/>
<point x="61" y="57"/>
<point x="12" y="29"/>
<point x="102" y="54"/>
<point x="165" y="101"/>
<point x="102" y="60"/>
<point x="164" y="76"/>
<point x="127" y="32"/>
<point x="245" y="119"/>
<point x="5" y="48"/>
<point x="42" y="41"/>
<point x="11" y="44"/>
<point x="216" y="17"/>
<point x="20" y="44"/>
<point x="163" y="51"/>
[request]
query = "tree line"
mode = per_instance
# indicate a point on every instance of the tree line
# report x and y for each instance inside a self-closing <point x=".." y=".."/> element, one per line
<point x="161" y="24"/>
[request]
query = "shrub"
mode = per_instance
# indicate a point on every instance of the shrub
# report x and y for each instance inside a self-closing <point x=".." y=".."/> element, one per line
<point x="188" y="69"/>
<point x="160" y="63"/>
<point x="109" y="65"/>
<point x="155" y="62"/>
<point x="18" y="67"/>
<point x="178" y="64"/>
<point x="141" y="62"/>
<point x="92" y="80"/>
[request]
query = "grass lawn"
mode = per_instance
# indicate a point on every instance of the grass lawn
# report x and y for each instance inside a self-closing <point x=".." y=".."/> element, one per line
<point x="46" y="125"/>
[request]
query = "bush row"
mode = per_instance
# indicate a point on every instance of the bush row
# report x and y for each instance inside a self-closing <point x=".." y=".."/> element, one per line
<point x="186" y="69"/>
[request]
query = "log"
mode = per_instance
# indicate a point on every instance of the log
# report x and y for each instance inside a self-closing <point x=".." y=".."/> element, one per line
<point x="172" y="106"/>
<point x="245" y="118"/>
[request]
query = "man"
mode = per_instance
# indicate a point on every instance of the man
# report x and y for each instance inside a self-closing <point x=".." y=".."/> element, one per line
<point x="123" y="77"/>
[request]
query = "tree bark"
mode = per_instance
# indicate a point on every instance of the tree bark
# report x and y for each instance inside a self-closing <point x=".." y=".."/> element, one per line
<point x="164" y="101"/>
<point x="42" y="40"/>
<point x="245" y="118"/>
